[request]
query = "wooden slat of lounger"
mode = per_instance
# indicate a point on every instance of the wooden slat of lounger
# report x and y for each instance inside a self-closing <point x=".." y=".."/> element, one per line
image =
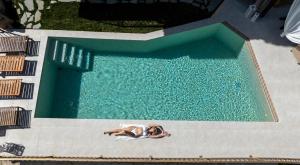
<point x="296" y="52"/>
<point x="22" y="43"/>
<point x="3" y="44"/>
<point x="10" y="87"/>
<point x="12" y="63"/>
<point x="8" y="116"/>
<point x="13" y="44"/>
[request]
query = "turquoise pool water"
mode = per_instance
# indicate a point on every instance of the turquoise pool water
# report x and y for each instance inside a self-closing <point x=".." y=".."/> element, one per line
<point x="203" y="74"/>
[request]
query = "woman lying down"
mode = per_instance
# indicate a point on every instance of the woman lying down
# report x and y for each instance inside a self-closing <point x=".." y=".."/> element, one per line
<point x="136" y="131"/>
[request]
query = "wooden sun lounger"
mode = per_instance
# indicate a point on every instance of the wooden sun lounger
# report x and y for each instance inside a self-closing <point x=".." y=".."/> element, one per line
<point x="13" y="44"/>
<point x="8" y="116"/>
<point x="10" y="87"/>
<point x="12" y="63"/>
<point x="296" y="52"/>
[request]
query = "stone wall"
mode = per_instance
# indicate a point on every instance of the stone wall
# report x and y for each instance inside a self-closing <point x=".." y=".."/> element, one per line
<point x="30" y="12"/>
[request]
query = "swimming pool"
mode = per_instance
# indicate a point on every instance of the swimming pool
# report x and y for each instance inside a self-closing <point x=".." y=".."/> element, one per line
<point x="202" y="74"/>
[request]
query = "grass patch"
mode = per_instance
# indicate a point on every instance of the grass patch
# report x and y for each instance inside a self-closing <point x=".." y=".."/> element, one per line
<point x="132" y="18"/>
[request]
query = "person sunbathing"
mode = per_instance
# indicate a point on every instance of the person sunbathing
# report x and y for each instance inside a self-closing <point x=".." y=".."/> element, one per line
<point x="151" y="131"/>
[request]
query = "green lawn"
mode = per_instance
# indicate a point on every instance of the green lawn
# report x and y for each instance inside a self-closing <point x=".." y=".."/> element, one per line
<point x="130" y="18"/>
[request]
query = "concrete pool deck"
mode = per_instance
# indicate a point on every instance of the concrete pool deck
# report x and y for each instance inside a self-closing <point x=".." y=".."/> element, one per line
<point x="190" y="139"/>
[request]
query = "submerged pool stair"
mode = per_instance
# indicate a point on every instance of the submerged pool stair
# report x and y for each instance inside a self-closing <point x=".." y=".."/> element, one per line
<point x="72" y="56"/>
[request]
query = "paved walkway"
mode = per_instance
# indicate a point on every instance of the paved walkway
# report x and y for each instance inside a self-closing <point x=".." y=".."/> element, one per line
<point x="85" y="163"/>
<point x="78" y="137"/>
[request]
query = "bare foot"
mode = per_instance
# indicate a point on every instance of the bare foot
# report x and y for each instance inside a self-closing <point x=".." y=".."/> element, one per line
<point x="109" y="133"/>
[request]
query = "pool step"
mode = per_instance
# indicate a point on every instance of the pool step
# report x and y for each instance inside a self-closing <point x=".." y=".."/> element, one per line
<point x="72" y="56"/>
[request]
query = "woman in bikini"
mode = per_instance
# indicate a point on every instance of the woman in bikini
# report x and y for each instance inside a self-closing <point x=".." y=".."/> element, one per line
<point x="151" y="131"/>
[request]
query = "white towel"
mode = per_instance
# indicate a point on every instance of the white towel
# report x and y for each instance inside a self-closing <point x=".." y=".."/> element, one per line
<point x="128" y="137"/>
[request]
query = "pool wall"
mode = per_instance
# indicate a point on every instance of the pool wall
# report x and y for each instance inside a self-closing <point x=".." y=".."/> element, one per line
<point x="47" y="85"/>
<point x="256" y="83"/>
<point x="231" y="39"/>
<point x="134" y="46"/>
<point x="262" y="85"/>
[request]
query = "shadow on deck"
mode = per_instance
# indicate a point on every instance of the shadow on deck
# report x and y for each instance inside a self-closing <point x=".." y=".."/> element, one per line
<point x="32" y="47"/>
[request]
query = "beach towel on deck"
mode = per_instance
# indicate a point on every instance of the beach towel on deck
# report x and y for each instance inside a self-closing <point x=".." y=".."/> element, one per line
<point x="128" y="137"/>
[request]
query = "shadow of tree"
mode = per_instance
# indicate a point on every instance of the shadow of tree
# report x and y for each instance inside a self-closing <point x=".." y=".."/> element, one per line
<point x="266" y="28"/>
<point x="166" y="14"/>
<point x="11" y="12"/>
<point x="123" y="17"/>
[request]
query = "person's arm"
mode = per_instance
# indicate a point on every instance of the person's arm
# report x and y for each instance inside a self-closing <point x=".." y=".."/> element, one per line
<point x="154" y="125"/>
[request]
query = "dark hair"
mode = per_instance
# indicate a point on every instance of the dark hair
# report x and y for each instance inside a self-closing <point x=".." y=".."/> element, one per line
<point x="159" y="130"/>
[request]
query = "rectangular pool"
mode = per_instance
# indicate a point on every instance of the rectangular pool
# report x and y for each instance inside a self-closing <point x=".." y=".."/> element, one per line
<point x="203" y="74"/>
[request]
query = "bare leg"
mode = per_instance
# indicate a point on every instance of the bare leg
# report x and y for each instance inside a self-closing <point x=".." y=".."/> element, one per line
<point x="124" y="133"/>
<point x="121" y="132"/>
<point x="113" y="131"/>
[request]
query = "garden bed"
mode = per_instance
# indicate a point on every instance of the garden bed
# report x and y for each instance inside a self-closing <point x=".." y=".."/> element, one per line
<point x="132" y="18"/>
